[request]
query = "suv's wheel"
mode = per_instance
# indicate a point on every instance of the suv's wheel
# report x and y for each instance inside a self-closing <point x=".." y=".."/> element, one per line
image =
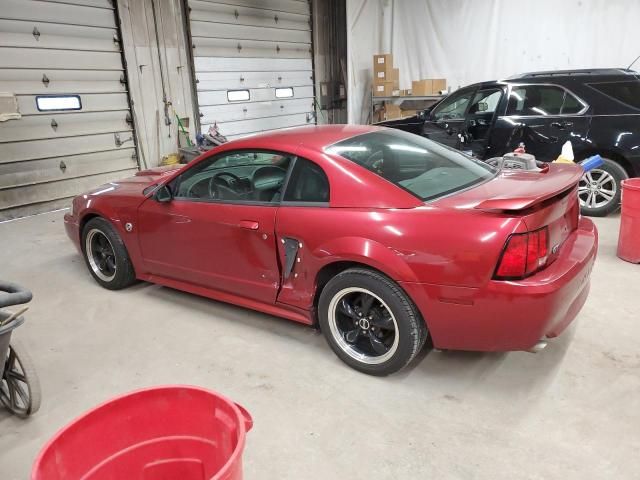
<point x="599" y="190"/>
<point x="106" y="256"/>
<point x="369" y="322"/>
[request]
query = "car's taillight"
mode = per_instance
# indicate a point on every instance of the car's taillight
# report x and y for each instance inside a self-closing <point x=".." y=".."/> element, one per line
<point x="523" y="255"/>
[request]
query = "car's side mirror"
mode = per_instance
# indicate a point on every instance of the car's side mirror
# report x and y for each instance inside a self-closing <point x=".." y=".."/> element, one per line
<point x="163" y="194"/>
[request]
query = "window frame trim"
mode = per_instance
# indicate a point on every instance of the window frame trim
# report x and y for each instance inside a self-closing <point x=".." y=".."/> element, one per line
<point x="302" y="203"/>
<point x="59" y="95"/>
<point x="585" y="105"/>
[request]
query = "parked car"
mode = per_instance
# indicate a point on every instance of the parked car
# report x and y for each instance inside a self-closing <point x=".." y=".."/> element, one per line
<point x="380" y="237"/>
<point x="597" y="110"/>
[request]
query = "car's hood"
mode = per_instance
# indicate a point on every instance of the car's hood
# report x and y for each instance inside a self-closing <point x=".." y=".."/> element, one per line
<point x="517" y="189"/>
<point x="136" y="184"/>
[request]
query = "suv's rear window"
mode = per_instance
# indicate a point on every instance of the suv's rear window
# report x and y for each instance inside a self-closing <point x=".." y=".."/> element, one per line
<point x="625" y="92"/>
<point x="422" y="167"/>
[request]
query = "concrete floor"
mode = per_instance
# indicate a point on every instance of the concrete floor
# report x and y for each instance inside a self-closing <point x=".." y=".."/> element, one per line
<point x="572" y="411"/>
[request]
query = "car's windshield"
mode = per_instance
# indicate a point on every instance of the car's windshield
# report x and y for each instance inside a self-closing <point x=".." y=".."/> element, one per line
<point x="426" y="169"/>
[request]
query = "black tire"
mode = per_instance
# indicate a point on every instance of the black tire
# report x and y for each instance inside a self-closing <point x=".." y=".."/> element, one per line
<point x="123" y="273"/>
<point x="408" y="327"/>
<point x="592" y="202"/>
<point x="22" y="396"/>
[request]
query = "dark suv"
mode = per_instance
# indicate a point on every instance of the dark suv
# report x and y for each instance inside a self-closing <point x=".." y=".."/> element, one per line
<point x="598" y="110"/>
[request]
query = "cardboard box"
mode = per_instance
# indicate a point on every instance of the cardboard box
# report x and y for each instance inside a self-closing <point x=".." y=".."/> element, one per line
<point x="383" y="63"/>
<point x="439" y="84"/>
<point x="392" y="75"/>
<point x="408" y="113"/>
<point x="383" y="89"/>
<point x="428" y="86"/>
<point x="421" y="87"/>
<point x="392" y="111"/>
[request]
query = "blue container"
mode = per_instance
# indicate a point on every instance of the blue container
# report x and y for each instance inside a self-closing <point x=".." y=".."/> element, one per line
<point x="592" y="162"/>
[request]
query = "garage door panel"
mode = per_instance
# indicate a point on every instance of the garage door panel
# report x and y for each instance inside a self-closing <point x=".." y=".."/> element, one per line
<point x="254" y="45"/>
<point x="47" y="192"/>
<point x="58" y="147"/>
<point x="15" y="175"/>
<point x="70" y="124"/>
<point x="99" y="102"/>
<point x="14" y="57"/>
<point x="230" y="64"/>
<point x="25" y="81"/>
<point x="61" y="47"/>
<point x="243" y="32"/>
<point x="259" y="125"/>
<point x="257" y="95"/>
<point x="15" y="33"/>
<point x="221" y="13"/>
<point x="32" y="10"/>
<point x="215" y="47"/>
<point x="233" y="80"/>
<point x="288" y="6"/>
<point x="225" y="113"/>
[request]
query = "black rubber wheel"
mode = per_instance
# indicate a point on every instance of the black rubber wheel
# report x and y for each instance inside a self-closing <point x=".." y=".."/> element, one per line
<point x="106" y="255"/>
<point x="600" y="189"/>
<point x="19" y="384"/>
<point x="369" y="322"/>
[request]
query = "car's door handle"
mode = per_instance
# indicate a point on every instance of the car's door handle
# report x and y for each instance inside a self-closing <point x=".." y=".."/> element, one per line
<point x="561" y="125"/>
<point x="249" y="224"/>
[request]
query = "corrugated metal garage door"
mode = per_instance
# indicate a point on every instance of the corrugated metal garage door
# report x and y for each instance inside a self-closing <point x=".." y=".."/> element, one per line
<point x="69" y="47"/>
<point x="251" y="48"/>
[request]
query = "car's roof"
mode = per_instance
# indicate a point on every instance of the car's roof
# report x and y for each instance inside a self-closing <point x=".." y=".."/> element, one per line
<point x="556" y="76"/>
<point x="315" y="137"/>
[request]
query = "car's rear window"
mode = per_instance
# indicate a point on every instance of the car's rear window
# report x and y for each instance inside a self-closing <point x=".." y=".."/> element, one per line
<point x="627" y="92"/>
<point x="425" y="168"/>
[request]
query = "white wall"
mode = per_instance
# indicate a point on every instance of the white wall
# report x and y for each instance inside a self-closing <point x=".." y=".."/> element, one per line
<point x="468" y="41"/>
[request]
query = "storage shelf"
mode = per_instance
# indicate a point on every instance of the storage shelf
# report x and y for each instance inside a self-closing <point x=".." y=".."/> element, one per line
<point x="409" y="97"/>
<point x="376" y="99"/>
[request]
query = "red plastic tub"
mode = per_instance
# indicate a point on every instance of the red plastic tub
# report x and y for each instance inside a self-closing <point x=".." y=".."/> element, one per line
<point x="629" y="239"/>
<point x="160" y="433"/>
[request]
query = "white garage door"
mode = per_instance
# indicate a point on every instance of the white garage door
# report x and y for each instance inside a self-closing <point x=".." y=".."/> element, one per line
<point x="61" y="61"/>
<point x="253" y="64"/>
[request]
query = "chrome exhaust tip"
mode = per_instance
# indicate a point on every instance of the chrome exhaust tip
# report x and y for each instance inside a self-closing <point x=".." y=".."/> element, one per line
<point x="538" y="347"/>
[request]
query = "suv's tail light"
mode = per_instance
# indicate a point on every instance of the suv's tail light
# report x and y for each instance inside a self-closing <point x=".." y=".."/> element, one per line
<point x="523" y="255"/>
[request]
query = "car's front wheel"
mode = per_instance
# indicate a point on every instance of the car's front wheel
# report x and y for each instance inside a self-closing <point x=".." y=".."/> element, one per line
<point x="369" y="322"/>
<point x="106" y="255"/>
<point x="599" y="190"/>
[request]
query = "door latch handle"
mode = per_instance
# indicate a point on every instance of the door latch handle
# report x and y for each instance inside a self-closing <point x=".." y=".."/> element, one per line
<point x="561" y="125"/>
<point x="249" y="224"/>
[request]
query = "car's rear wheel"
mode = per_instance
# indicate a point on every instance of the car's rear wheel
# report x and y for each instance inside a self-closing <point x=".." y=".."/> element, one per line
<point x="599" y="190"/>
<point x="106" y="255"/>
<point x="369" y="322"/>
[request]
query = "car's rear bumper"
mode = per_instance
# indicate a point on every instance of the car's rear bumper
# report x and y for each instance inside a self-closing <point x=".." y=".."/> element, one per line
<point x="511" y="315"/>
<point x="72" y="227"/>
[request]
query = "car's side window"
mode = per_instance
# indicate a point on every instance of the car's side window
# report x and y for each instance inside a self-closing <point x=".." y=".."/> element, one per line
<point x="308" y="183"/>
<point x="238" y="176"/>
<point x="485" y="102"/>
<point x="452" y="107"/>
<point x="536" y="100"/>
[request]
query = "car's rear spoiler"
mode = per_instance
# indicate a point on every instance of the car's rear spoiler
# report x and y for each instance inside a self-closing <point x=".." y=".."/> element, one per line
<point x="523" y="190"/>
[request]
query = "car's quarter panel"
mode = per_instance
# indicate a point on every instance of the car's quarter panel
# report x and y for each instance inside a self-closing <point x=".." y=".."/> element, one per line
<point x="511" y="315"/>
<point x="424" y="244"/>
<point x="222" y="246"/>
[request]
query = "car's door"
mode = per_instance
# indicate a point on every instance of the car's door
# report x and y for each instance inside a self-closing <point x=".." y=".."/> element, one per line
<point x="218" y="229"/>
<point x="541" y="116"/>
<point x="446" y="121"/>
<point x="479" y="121"/>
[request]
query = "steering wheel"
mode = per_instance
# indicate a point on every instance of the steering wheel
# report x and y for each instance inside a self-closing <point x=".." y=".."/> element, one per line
<point x="232" y="182"/>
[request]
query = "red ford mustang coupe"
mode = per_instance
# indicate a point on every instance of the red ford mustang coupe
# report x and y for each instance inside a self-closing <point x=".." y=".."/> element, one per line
<point x="378" y="236"/>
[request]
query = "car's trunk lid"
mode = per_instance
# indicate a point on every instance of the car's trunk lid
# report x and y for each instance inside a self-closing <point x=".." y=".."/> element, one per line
<point x="547" y="198"/>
